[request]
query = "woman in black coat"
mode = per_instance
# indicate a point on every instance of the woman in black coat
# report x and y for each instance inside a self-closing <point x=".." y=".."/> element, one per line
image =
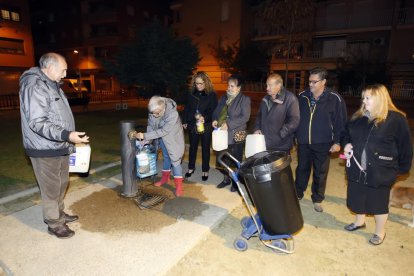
<point x="201" y="102"/>
<point x="378" y="147"/>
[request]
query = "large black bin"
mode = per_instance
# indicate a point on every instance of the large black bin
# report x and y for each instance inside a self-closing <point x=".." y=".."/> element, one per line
<point x="269" y="180"/>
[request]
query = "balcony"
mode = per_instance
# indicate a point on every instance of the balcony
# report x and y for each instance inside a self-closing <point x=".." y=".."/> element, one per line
<point x="357" y="20"/>
<point x="406" y="16"/>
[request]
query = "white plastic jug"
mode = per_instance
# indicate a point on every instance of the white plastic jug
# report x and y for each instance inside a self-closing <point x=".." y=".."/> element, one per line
<point x="220" y="139"/>
<point x="254" y="143"/>
<point x="79" y="160"/>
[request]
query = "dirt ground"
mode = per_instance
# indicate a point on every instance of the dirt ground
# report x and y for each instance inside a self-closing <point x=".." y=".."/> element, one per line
<point x="322" y="247"/>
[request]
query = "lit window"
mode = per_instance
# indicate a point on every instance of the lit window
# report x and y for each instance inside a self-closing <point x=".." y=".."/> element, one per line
<point x="11" y="46"/>
<point x="5" y="14"/>
<point x="15" y="16"/>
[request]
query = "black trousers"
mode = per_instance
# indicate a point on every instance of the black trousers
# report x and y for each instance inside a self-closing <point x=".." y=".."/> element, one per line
<point x="316" y="156"/>
<point x="205" y="150"/>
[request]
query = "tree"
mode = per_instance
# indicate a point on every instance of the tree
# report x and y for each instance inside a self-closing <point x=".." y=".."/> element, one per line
<point x="287" y="18"/>
<point x="247" y="60"/>
<point x="157" y="62"/>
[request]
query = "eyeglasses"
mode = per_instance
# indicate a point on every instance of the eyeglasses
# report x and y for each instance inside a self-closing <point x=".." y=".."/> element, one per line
<point x="314" y="82"/>
<point x="199" y="83"/>
<point x="155" y="114"/>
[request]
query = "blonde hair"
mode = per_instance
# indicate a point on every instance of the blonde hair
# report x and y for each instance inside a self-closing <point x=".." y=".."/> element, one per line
<point x="205" y="78"/>
<point x="382" y="104"/>
<point x="276" y="77"/>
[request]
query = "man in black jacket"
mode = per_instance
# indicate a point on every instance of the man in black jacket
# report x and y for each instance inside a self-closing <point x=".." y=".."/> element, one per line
<point x="322" y="119"/>
<point x="278" y="115"/>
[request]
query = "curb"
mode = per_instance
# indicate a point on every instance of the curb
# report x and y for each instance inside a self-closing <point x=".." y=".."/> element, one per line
<point x="33" y="190"/>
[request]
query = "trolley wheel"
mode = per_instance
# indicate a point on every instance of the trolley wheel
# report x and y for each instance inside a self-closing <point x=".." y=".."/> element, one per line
<point x="244" y="221"/>
<point x="240" y="244"/>
<point x="279" y="243"/>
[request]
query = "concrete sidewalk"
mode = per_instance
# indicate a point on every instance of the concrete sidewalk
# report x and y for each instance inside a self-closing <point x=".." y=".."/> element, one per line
<point x="113" y="236"/>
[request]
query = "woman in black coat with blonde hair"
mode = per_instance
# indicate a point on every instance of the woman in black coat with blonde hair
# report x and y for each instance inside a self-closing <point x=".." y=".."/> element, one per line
<point x="378" y="148"/>
<point x="201" y="102"/>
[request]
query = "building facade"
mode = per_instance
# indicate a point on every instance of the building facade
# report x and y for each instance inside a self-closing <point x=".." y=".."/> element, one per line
<point x="207" y="23"/>
<point x="16" y="45"/>
<point x="359" y="36"/>
<point x="88" y="32"/>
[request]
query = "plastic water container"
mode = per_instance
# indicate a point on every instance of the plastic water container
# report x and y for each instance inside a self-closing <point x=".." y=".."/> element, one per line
<point x="220" y="140"/>
<point x="79" y="160"/>
<point x="255" y="143"/>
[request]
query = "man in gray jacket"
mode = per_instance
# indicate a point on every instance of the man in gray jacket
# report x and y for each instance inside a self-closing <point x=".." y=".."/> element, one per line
<point x="278" y="116"/>
<point x="49" y="136"/>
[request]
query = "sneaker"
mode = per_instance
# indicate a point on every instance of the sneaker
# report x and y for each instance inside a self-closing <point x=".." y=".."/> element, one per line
<point x="318" y="207"/>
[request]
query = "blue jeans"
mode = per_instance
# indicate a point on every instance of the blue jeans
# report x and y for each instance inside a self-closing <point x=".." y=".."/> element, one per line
<point x="166" y="165"/>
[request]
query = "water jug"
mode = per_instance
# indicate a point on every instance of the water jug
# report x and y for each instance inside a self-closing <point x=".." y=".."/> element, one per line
<point x="199" y="123"/>
<point x="254" y="143"/>
<point x="219" y="139"/>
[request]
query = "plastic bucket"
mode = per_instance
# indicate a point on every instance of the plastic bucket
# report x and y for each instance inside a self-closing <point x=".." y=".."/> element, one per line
<point x="219" y="139"/>
<point x="269" y="180"/>
<point x="255" y="143"/>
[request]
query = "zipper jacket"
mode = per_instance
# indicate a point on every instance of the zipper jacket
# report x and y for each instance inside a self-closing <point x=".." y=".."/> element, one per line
<point x="278" y="120"/>
<point x="324" y="122"/>
<point x="46" y="117"/>
<point x="388" y="149"/>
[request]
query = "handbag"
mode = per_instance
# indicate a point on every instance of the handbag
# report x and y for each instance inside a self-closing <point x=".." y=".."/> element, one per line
<point x="239" y="136"/>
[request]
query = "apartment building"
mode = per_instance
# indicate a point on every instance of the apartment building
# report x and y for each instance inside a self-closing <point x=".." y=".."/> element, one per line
<point x="16" y="46"/>
<point x="205" y="22"/>
<point x="367" y="33"/>
<point x="339" y="34"/>
<point x="87" y="32"/>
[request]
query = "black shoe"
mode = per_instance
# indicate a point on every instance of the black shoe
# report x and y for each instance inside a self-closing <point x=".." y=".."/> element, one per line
<point x="69" y="218"/>
<point x="224" y="183"/>
<point x="204" y="176"/>
<point x="353" y="227"/>
<point x="189" y="174"/>
<point x="62" y="231"/>
<point x="233" y="189"/>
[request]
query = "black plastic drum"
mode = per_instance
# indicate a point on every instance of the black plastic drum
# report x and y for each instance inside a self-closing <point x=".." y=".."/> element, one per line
<point x="269" y="180"/>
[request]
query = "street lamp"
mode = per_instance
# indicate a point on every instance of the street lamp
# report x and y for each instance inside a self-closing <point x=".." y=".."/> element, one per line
<point x="79" y="69"/>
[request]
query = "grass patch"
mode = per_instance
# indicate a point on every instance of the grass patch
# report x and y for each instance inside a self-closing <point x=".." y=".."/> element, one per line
<point x="103" y="127"/>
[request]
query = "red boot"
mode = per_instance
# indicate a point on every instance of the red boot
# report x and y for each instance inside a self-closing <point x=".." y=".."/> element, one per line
<point x="178" y="186"/>
<point x="164" y="179"/>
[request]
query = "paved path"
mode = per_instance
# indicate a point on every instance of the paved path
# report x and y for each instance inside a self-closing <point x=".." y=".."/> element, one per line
<point x="27" y="249"/>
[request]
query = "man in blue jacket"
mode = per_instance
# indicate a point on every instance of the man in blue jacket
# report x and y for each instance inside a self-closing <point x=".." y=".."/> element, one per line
<point x="322" y="119"/>
<point x="278" y="116"/>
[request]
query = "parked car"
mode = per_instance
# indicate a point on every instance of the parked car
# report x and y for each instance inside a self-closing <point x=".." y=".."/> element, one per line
<point x="71" y="89"/>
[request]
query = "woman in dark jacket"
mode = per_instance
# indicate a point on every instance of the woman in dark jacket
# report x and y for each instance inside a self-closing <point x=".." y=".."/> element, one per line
<point x="378" y="147"/>
<point x="232" y="114"/>
<point x="201" y="102"/>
